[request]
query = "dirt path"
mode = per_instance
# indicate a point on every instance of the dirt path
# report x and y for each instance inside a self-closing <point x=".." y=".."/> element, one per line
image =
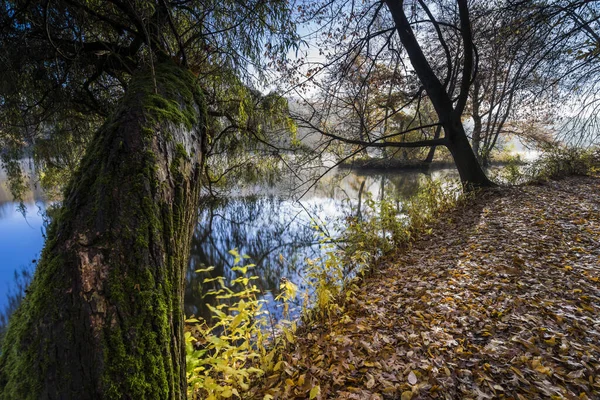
<point x="502" y="300"/>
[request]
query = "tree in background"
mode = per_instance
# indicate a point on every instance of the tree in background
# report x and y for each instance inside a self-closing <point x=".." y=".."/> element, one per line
<point x="537" y="64"/>
<point x="365" y="37"/>
<point x="531" y="64"/>
<point x="570" y="66"/>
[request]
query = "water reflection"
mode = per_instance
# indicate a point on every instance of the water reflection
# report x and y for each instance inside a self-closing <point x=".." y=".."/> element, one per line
<point x="278" y="233"/>
<point x="265" y="223"/>
<point x="21" y="240"/>
<point x="274" y="232"/>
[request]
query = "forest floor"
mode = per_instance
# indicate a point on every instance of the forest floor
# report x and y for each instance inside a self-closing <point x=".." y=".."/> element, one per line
<point x="501" y="300"/>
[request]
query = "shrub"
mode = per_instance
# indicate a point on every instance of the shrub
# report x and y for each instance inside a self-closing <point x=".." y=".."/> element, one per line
<point x="225" y="358"/>
<point x="557" y="162"/>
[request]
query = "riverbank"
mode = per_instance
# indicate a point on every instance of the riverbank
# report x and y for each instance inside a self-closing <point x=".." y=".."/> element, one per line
<point x="386" y="164"/>
<point x="501" y="300"/>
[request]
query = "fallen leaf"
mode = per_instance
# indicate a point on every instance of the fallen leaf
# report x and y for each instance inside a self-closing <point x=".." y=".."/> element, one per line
<point x="412" y="378"/>
<point x="407" y="395"/>
<point x="315" y="392"/>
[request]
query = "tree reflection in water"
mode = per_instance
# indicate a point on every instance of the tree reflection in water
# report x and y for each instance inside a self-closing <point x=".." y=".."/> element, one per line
<point x="274" y="232"/>
<point x="278" y="233"/>
<point x="263" y="222"/>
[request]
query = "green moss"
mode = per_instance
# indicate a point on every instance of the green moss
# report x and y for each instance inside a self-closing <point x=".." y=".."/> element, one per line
<point x="179" y="94"/>
<point x="18" y="380"/>
<point x="137" y="360"/>
<point x="179" y="156"/>
<point x="152" y="301"/>
<point x="180" y="152"/>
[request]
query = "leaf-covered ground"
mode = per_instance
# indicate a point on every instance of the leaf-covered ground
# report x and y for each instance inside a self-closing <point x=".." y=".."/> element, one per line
<point x="502" y="300"/>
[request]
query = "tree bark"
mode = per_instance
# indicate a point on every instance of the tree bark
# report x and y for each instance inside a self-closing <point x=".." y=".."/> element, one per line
<point x="471" y="173"/>
<point x="431" y="153"/>
<point x="103" y="316"/>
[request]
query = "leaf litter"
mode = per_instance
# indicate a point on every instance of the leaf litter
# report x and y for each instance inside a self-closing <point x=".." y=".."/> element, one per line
<point x="501" y="300"/>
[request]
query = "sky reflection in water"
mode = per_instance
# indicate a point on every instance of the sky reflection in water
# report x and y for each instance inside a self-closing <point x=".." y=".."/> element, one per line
<point x="276" y="232"/>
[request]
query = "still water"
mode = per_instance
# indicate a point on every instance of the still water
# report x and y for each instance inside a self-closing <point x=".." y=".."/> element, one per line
<point x="272" y="224"/>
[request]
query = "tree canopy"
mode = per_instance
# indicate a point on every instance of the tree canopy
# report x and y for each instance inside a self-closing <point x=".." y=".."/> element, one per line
<point x="68" y="63"/>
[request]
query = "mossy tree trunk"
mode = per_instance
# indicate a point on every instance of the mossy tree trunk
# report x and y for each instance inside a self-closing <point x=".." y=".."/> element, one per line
<point x="103" y="317"/>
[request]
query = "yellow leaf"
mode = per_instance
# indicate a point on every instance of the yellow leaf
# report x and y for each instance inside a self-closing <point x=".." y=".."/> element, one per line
<point x="370" y="382"/>
<point x="407" y="395"/>
<point x="278" y="366"/>
<point x="226" y="393"/>
<point x="315" y="392"/>
<point x="544" y="370"/>
<point x="369" y="364"/>
<point x="301" y="379"/>
<point x="289" y="336"/>
<point x="517" y="371"/>
<point x="551" y="341"/>
<point x="204" y="269"/>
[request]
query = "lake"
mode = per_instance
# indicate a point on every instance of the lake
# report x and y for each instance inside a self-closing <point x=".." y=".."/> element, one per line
<point x="268" y="223"/>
